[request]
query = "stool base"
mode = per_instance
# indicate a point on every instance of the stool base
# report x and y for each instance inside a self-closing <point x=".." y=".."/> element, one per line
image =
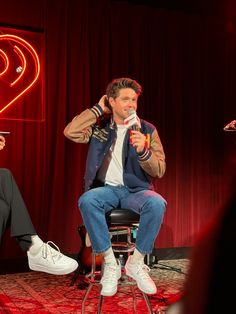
<point x="124" y="281"/>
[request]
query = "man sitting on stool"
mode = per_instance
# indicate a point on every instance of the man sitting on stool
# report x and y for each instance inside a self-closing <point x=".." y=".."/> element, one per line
<point x="121" y="164"/>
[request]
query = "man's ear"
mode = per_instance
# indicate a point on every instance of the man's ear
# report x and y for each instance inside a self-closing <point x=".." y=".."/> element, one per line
<point x="107" y="103"/>
<point x="111" y="102"/>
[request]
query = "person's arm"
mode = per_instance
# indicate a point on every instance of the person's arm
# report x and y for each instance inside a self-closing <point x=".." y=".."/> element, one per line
<point x="2" y="142"/>
<point x="230" y="126"/>
<point x="79" y="129"/>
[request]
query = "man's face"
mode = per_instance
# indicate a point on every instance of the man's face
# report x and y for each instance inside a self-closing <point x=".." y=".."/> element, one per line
<point x="122" y="104"/>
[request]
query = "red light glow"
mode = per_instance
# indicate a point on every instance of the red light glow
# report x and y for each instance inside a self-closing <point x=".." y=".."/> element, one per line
<point x="23" y="64"/>
<point x="6" y="61"/>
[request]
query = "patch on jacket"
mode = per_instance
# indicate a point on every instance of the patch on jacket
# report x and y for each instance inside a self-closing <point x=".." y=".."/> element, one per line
<point x="100" y="134"/>
<point x="148" y="140"/>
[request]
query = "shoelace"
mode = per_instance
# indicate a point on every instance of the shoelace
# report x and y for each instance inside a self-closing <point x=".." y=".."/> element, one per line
<point x="48" y="250"/>
<point x="109" y="273"/>
<point x="143" y="270"/>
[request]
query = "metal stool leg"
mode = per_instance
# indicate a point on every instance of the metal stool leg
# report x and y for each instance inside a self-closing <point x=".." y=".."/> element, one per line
<point x="100" y="304"/>
<point x="92" y="281"/>
<point x="85" y="297"/>
<point x="147" y="303"/>
<point x="134" y="299"/>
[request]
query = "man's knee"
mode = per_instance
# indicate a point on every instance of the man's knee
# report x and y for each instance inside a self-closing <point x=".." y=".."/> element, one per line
<point x="5" y="173"/>
<point x="157" y="206"/>
<point x="4" y="211"/>
<point x="85" y="201"/>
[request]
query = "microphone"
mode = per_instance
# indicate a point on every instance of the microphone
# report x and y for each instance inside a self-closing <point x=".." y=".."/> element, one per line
<point x="132" y="121"/>
<point x="136" y="126"/>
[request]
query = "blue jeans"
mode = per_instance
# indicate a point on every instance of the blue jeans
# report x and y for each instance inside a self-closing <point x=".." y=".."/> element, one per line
<point x="95" y="203"/>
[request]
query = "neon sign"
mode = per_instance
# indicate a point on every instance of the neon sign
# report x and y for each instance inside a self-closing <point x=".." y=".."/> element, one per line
<point x="19" y="69"/>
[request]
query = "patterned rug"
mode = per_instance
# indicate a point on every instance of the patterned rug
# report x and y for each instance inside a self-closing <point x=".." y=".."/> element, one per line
<point x="40" y="293"/>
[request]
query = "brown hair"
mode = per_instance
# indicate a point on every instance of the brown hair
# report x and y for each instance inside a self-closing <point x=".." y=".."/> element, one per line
<point x="113" y="88"/>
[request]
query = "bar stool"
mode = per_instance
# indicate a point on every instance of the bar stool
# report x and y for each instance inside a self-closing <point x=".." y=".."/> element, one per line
<point x="120" y="221"/>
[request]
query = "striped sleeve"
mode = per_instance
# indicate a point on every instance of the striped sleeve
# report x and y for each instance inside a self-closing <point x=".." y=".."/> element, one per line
<point x="97" y="110"/>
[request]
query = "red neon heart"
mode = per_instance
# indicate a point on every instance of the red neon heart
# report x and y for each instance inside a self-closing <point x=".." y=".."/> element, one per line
<point x="19" y="69"/>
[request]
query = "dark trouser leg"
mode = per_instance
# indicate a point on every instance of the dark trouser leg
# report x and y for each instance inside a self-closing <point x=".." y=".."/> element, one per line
<point x="13" y="210"/>
<point x="4" y="215"/>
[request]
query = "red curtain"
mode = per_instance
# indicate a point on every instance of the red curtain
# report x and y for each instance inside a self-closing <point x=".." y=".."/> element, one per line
<point x="185" y="62"/>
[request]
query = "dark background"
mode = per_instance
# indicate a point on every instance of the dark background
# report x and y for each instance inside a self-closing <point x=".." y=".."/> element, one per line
<point x="183" y="53"/>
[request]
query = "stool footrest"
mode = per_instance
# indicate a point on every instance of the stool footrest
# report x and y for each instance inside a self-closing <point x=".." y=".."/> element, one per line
<point x="93" y="277"/>
<point x="123" y="247"/>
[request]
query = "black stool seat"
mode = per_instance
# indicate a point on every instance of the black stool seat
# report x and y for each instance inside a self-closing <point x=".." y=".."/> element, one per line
<point x="122" y="216"/>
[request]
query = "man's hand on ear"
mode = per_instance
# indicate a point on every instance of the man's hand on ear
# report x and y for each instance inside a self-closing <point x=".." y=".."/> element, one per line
<point x="103" y="102"/>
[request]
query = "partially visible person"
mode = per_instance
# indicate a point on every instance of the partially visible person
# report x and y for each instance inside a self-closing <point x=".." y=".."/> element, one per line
<point x="14" y="214"/>
<point x="123" y="161"/>
<point x="209" y="286"/>
<point x="175" y="308"/>
<point x="210" y="283"/>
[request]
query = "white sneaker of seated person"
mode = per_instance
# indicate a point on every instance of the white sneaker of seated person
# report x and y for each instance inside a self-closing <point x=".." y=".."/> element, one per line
<point x="43" y="257"/>
<point x="139" y="272"/>
<point x="110" y="277"/>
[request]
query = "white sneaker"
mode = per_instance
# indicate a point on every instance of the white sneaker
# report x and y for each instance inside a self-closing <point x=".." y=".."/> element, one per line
<point x="110" y="277"/>
<point x="52" y="261"/>
<point x="139" y="272"/>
